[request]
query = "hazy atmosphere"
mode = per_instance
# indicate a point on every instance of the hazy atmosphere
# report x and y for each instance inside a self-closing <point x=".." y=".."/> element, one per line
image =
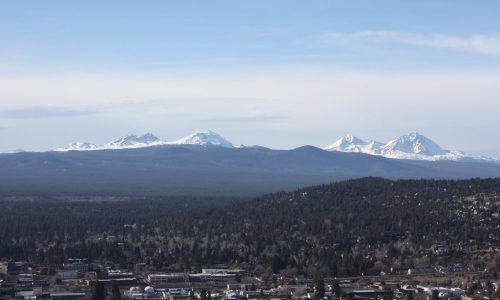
<point x="274" y="73"/>
<point x="249" y="150"/>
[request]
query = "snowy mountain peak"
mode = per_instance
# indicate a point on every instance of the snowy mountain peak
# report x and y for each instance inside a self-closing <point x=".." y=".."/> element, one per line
<point x="408" y="146"/>
<point x="372" y="147"/>
<point x="348" y="143"/>
<point x="79" y="146"/>
<point x="204" y="138"/>
<point x="148" y="138"/>
<point x="351" y="143"/>
<point x="134" y="140"/>
<point x="351" y="139"/>
<point x="415" y="143"/>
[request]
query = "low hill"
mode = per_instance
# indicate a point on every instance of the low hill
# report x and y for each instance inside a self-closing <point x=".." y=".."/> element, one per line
<point x="207" y="170"/>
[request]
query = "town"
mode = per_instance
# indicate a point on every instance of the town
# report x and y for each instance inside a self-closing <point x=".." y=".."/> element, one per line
<point x="79" y="279"/>
<point x="425" y="240"/>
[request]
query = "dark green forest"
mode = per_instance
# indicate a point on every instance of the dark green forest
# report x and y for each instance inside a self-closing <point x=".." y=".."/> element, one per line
<point x="355" y="227"/>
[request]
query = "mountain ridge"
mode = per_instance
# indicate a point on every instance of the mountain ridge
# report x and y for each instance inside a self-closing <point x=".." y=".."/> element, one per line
<point x="209" y="170"/>
<point x="202" y="138"/>
<point x="413" y="146"/>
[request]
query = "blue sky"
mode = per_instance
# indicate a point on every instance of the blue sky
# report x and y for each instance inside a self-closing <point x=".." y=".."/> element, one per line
<point x="277" y="73"/>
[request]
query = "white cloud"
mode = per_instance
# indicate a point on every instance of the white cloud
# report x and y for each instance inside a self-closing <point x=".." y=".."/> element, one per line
<point x="279" y="92"/>
<point x="42" y="112"/>
<point x="274" y="108"/>
<point x="480" y="44"/>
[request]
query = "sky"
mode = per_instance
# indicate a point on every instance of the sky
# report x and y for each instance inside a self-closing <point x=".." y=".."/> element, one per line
<point x="275" y="73"/>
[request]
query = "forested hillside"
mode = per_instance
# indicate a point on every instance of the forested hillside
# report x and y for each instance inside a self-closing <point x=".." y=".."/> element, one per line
<point x="353" y="227"/>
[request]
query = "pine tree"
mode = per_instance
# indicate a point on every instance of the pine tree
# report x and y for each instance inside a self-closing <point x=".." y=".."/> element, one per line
<point x="98" y="292"/>
<point x="319" y="287"/>
<point x="115" y="291"/>
<point x="336" y="288"/>
<point x="435" y="295"/>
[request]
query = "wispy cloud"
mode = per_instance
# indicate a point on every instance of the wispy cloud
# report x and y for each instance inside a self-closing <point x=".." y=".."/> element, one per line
<point x="479" y="44"/>
<point x="318" y="105"/>
<point x="257" y="118"/>
<point x="42" y="112"/>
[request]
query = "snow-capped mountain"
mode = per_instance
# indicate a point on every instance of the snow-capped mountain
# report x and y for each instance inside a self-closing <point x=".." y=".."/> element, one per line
<point x="417" y="146"/>
<point x="409" y="146"/>
<point x="350" y="143"/>
<point x="412" y="146"/>
<point x="414" y="143"/>
<point x="133" y="141"/>
<point x="79" y="146"/>
<point x="202" y="138"/>
<point x="347" y="143"/>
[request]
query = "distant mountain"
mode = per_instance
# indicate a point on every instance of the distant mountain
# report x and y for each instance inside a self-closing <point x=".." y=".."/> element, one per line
<point x="350" y="143"/>
<point x="79" y="146"/>
<point x="202" y="138"/>
<point x="412" y="146"/>
<point x="207" y="169"/>
<point x="417" y="146"/>
<point x="133" y="141"/>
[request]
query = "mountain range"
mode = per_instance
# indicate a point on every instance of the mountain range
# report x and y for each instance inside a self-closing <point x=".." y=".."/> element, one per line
<point x="409" y="146"/>
<point x="202" y="138"/>
<point x="413" y="146"/>
<point x="204" y="163"/>
<point x="208" y="170"/>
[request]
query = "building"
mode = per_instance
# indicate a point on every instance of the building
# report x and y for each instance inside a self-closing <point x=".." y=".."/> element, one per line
<point x="62" y="295"/>
<point x="39" y="294"/>
<point x="127" y="282"/>
<point x="159" y="279"/>
<point x="363" y="293"/>
<point x="77" y="264"/>
<point x="116" y="274"/>
<point x="70" y="274"/>
<point x="223" y="271"/>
